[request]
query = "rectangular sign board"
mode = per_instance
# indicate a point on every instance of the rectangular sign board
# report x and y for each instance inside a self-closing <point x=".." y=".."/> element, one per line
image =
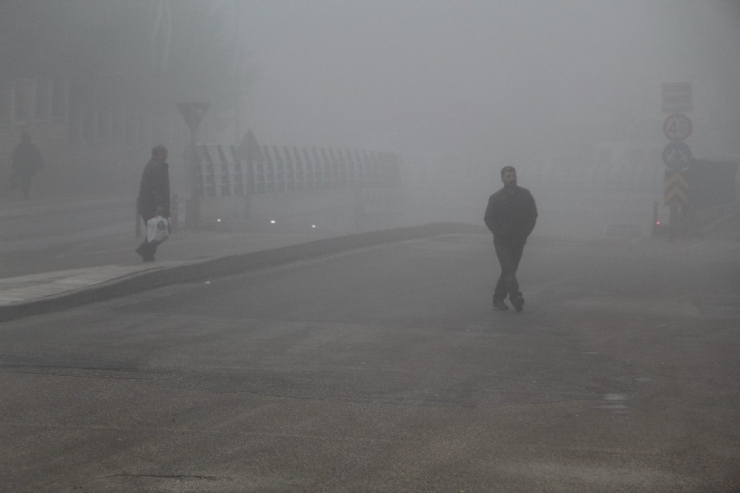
<point x="676" y="97"/>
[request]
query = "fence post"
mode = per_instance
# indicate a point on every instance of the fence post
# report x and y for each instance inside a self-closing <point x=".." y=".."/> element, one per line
<point x="174" y="212"/>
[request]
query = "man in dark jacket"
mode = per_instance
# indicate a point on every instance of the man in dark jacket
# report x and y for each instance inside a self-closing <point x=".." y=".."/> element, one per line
<point x="511" y="215"/>
<point x="26" y="161"/>
<point x="154" y="193"/>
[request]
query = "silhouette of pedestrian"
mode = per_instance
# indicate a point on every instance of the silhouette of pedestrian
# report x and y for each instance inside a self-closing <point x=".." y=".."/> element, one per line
<point x="154" y="194"/>
<point x="26" y="161"/>
<point x="510" y="215"/>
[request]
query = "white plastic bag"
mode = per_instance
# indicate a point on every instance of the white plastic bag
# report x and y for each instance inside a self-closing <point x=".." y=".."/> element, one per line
<point x="157" y="229"/>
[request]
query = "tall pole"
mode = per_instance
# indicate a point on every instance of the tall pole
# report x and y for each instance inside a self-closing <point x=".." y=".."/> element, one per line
<point x="193" y="113"/>
<point x="160" y="49"/>
<point x="195" y="178"/>
<point x="237" y="72"/>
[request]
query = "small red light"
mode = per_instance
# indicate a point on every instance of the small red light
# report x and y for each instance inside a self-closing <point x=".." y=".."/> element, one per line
<point x="657" y="223"/>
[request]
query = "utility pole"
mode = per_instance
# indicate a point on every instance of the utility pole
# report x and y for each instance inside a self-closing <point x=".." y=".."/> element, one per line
<point x="160" y="51"/>
<point x="238" y="72"/>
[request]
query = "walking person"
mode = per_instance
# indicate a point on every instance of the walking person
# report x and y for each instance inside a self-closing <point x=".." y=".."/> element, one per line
<point x="26" y="161"/>
<point x="154" y="196"/>
<point x="511" y="215"/>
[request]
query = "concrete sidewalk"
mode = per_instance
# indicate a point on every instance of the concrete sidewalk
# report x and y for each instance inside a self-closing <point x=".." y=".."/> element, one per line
<point x="185" y="248"/>
<point x="83" y="265"/>
<point x="192" y="255"/>
<point x="31" y="287"/>
<point x="230" y="253"/>
<point x="14" y="207"/>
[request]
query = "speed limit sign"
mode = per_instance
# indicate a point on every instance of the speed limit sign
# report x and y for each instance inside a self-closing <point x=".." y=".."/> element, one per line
<point x="677" y="127"/>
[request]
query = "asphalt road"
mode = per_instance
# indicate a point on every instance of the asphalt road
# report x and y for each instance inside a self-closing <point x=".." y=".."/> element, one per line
<point x="385" y="369"/>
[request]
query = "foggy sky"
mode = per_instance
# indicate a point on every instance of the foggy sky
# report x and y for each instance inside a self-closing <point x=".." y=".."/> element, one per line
<point x="465" y="74"/>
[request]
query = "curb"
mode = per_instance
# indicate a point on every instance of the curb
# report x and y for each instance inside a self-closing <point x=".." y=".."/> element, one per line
<point x="229" y="265"/>
<point x="727" y="212"/>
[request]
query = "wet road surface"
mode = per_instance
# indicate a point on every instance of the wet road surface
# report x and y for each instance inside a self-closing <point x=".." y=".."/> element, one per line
<point x="385" y="369"/>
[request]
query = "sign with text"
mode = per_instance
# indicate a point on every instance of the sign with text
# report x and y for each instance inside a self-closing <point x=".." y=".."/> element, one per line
<point x="676" y="97"/>
<point x="677" y="127"/>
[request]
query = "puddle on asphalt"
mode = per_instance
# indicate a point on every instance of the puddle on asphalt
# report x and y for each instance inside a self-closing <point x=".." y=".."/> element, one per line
<point x="615" y="397"/>
<point x="614" y="403"/>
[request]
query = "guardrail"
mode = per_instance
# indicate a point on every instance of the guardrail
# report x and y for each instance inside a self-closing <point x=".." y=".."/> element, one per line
<point x="221" y="170"/>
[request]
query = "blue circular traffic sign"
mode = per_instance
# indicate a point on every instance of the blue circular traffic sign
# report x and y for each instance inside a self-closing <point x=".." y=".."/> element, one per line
<point x="677" y="155"/>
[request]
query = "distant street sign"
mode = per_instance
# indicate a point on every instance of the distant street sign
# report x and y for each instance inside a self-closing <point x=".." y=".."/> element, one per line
<point x="249" y="148"/>
<point x="676" y="189"/>
<point x="676" y="97"/>
<point x="677" y="155"/>
<point x="193" y="113"/>
<point x="677" y="127"/>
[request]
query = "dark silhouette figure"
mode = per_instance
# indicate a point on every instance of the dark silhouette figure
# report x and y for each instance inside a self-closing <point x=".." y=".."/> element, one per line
<point x="511" y="215"/>
<point x="26" y="161"/>
<point x="154" y="194"/>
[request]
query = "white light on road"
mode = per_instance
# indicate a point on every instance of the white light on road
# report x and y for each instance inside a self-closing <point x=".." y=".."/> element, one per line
<point x="272" y="222"/>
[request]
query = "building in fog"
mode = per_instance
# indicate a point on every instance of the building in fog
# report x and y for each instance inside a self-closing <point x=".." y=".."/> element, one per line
<point x="89" y="145"/>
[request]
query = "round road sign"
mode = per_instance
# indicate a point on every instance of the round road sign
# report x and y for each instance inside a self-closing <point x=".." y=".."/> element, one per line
<point x="677" y="155"/>
<point x="677" y="127"/>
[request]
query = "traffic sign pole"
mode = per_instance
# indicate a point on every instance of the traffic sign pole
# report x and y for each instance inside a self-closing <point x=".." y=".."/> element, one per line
<point x="677" y="99"/>
<point x="194" y="175"/>
<point x="193" y="113"/>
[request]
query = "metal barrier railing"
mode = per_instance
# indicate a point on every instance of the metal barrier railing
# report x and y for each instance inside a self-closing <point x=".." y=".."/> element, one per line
<point x="220" y="171"/>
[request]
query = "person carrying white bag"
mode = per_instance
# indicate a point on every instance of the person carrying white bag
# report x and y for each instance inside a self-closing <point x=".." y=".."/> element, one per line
<point x="157" y="228"/>
<point x="153" y="203"/>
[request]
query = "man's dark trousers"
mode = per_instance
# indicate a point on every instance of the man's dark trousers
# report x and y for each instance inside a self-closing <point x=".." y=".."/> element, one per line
<point x="509" y="255"/>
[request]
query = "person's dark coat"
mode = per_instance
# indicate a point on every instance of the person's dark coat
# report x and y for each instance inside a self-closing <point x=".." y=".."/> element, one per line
<point x="511" y="216"/>
<point x="154" y="190"/>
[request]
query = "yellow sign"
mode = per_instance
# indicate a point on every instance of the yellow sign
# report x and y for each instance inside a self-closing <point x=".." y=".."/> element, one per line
<point x="676" y="188"/>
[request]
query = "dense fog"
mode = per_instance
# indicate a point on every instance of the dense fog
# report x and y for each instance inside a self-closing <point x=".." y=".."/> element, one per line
<point x="440" y="75"/>
<point x="569" y="92"/>
<point x="462" y="88"/>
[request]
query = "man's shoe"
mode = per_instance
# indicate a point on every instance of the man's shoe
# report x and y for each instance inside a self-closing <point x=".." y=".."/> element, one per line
<point x="500" y="305"/>
<point x="518" y="303"/>
<point x="140" y="250"/>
